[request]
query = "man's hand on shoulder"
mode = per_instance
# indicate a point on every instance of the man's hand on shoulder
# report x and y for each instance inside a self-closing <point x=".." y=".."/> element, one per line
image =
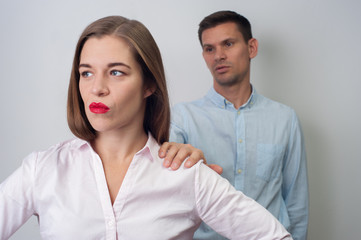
<point x="175" y="154"/>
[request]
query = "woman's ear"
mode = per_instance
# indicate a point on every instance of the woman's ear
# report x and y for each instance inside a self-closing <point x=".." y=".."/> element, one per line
<point x="148" y="91"/>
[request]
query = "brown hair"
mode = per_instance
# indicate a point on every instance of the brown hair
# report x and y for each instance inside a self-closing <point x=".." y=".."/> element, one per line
<point x="220" y="17"/>
<point x="146" y="52"/>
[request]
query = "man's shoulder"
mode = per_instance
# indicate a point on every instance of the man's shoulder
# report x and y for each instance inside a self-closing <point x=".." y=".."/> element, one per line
<point x="195" y="105"/>
<point x="187" y="113"/>
<point x="274" y="113"/>
<point x="273" y="105"/>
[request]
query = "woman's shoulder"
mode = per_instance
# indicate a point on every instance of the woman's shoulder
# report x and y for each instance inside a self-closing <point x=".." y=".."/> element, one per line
<point x="69" y="145"/>
<point x="59" y="151"/>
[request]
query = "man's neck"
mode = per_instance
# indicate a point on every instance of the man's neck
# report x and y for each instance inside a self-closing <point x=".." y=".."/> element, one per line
<point x="236" y="94"/>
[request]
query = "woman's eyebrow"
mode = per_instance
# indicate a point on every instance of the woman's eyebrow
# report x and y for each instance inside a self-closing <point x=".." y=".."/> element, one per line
<point x="118" y="64"/>
<point x="84" y="65"/>
<point x="109" y="65"/>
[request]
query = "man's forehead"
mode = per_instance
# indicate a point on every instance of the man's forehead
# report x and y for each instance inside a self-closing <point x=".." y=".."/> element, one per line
<point x="221" y="33"/>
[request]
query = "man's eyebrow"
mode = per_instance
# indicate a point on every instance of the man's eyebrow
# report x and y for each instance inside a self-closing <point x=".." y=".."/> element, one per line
<point x="231" y="39"/>
<point x="207" y="45"/>
<point x="85" y="65"/>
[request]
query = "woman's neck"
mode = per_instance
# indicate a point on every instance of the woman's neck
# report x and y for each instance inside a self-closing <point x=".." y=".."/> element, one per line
<point x="119" y="146"/>
<point x="116" y="151"/>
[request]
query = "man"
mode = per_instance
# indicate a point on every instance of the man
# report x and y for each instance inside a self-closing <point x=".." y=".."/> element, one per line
<point x="258" y="142"/>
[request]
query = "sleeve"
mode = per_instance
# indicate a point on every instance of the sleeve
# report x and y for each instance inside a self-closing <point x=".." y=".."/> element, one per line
<point x="16" y="198"/>
<point x="177" y="126"/>
<point x="230" y="213"/>
<point x="295" y="183"/>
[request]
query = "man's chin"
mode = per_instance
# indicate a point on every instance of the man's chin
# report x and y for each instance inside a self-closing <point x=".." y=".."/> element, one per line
<point x="225" y="82"/>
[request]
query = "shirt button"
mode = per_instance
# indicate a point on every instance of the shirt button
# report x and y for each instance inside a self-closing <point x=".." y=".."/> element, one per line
<point x="238" y="112"/>
<point x="240" y="141"/>
<point x="110" y="223"/>
<point x="239" y="171"/>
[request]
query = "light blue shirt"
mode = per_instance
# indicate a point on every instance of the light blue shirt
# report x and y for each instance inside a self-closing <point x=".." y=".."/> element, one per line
<point x="260" y="147"/>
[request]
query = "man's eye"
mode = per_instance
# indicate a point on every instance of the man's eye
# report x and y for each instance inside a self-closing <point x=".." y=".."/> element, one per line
<point x="86" y="74"/>
<point x="229" y="44"/>
<point x="208" y="49"/>
<point x="116" y="73"/>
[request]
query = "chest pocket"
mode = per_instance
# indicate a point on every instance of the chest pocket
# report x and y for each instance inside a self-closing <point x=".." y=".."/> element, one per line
<point x="269" y="161"/>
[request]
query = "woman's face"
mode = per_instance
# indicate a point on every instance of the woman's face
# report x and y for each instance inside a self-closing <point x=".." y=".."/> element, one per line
<point x="111" y="85"/>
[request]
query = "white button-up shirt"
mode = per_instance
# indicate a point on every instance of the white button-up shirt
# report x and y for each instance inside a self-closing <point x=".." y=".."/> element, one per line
<point x="66" y="188"/>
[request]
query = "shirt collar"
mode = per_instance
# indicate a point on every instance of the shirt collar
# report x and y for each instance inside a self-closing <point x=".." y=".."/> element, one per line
<point x="150" y="149"/>
<point x="78" y="143"/>
<point x="222" y="102"/>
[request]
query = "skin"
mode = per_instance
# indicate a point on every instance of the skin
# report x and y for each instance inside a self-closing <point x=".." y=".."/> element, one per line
<point x="109" y="74"/>
<point x="228" y="58"/>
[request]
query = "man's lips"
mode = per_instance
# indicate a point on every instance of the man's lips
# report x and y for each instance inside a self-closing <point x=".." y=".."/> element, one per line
<point x="98" y="108"/>
<point x="221" y="68"/>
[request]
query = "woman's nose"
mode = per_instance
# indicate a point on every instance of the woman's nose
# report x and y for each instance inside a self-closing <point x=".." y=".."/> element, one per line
<point x="100" y="87"/>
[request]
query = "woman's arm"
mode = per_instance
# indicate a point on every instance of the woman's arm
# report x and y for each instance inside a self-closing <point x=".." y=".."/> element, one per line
<point x="16" y="199"/>
<point x="230" y="212"/>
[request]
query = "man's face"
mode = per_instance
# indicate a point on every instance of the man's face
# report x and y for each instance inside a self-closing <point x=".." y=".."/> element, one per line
<point x="227" y="55"/>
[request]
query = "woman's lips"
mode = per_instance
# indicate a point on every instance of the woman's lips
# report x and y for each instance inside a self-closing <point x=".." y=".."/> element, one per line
<point x="98" y="108"/>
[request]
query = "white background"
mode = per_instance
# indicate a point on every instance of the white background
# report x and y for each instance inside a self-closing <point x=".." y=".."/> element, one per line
<point x="309" y="58"/>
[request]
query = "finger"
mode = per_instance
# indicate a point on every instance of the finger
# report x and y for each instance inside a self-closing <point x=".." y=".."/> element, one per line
<point x="195" y="157"/>
<point x="171" y="152"/>
<point x="163" y="149"/>
<point x="218" y="169"/>
<point x="183" y="153"/>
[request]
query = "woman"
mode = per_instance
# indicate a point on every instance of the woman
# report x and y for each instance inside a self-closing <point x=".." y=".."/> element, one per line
<point x="109" y="183"/>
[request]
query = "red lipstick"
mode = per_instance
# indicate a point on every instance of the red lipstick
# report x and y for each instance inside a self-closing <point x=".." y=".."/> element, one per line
<point x="98" y="108"/>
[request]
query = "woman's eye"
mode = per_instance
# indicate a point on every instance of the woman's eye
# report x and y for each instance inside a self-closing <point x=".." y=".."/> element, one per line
<point x="86" y="74"/>
<point x="116" y="73"/>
